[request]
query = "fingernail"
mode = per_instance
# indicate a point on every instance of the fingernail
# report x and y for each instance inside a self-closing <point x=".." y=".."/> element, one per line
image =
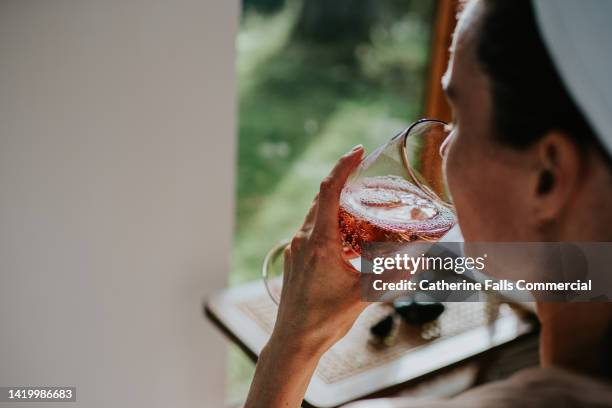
<point x="357" y="147"/>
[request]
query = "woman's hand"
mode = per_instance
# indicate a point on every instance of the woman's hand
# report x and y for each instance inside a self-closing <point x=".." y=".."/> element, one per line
<point x="320" y="299"/>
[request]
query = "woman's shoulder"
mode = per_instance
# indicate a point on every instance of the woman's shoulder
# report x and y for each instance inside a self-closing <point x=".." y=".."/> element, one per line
<point x="533" y="388"/>
<point x="543" y="387"/>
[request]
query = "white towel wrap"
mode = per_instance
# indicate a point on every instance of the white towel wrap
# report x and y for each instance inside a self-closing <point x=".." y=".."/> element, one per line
<point x="578" y="35"/>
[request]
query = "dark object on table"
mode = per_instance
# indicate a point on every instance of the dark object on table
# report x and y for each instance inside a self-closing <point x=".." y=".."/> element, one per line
<point x="418" y="312"/>
<point x="383" y="328"/>
<point x="413" y="313"/>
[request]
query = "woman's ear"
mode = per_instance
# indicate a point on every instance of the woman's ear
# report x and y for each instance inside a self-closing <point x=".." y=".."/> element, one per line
<point x="557" y="175"/>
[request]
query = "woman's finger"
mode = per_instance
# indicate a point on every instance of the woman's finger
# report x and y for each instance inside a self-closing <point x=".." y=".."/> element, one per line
<point x="310" y="218"/>
<point x="326" y="223"/>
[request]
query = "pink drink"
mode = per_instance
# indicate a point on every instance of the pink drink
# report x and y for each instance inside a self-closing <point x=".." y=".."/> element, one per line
<point x="390" y="209"/>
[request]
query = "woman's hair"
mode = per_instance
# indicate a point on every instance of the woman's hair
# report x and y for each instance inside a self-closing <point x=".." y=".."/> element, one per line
<point x="529" y="97"/>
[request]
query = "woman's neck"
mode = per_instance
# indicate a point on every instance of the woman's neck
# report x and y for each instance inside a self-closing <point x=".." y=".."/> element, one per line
<point x="577" y="336"/>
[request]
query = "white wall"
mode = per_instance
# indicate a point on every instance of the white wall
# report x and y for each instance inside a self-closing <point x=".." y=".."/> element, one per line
<point x="116" y="183"/>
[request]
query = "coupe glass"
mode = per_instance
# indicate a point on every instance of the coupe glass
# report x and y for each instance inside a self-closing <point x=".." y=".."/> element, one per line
<point x="397" y="194"/>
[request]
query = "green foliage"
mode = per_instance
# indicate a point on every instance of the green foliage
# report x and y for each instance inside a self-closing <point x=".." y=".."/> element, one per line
<point x="302" y="105"/>
<point x="262" y="6"/>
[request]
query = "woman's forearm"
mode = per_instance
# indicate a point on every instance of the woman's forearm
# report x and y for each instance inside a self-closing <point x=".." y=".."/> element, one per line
<point x="320" y="299"/>
<point x="283" y="372"/>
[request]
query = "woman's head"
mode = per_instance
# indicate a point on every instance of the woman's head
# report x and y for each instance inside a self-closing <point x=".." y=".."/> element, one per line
<point x="523" y="163"/>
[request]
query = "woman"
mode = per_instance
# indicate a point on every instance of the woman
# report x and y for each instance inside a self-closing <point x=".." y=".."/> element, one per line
<point x="523" y="164"/>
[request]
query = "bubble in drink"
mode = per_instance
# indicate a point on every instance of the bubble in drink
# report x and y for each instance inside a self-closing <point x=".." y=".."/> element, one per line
<point x="390" y="209"/>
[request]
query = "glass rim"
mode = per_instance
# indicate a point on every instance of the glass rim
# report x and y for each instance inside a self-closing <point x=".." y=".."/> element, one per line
<point x="409" y="169"/>
<point x="272" y="254"/>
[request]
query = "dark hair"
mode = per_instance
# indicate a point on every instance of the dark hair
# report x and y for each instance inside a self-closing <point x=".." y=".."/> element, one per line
<point x="529" y="97"/>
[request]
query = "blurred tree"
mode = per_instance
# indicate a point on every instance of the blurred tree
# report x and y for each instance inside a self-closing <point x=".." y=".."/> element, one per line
<point x="345" y="24"/>
<point x="332" y="21"/>
<point x="262" y="6"/>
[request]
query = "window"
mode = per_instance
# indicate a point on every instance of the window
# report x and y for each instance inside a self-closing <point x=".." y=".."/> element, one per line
<point x="315" y="77"/>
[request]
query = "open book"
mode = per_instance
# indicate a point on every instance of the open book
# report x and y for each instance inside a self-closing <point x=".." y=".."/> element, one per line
<point x="357" y="367"/>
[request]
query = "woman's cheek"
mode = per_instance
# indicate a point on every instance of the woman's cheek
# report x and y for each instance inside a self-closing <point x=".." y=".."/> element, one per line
<point x="460" y="174"/>
<point x="453" y="166"/>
